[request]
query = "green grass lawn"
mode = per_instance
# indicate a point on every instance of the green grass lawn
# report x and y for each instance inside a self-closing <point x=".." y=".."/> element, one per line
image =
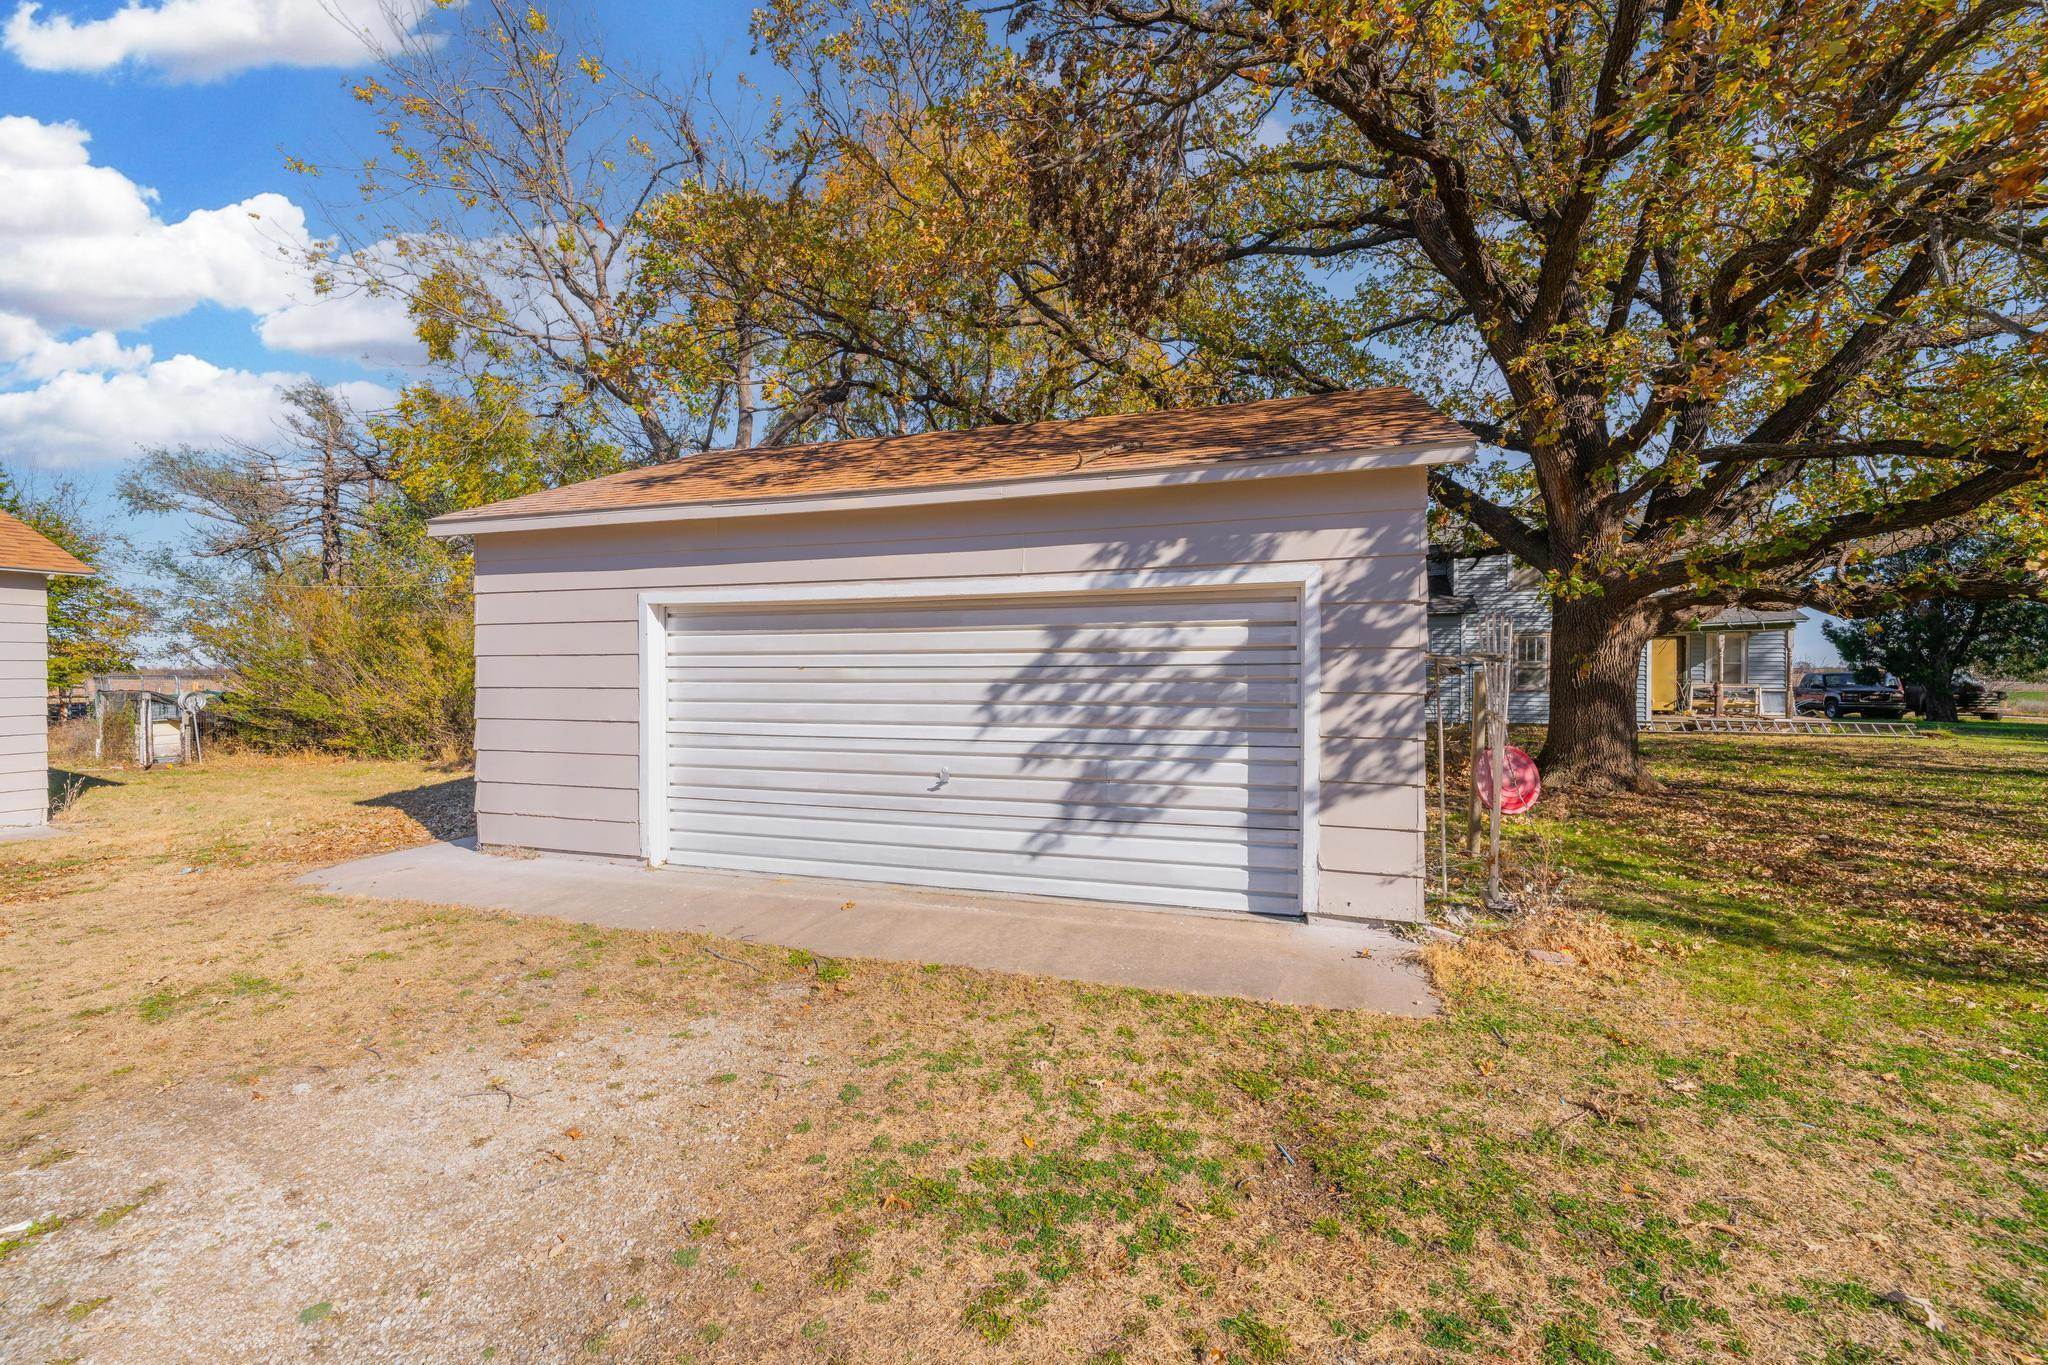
<point x="1788" y="1102"/>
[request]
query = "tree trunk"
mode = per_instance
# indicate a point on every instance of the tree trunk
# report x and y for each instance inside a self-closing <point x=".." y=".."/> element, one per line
<point x="1595" y="660"/>
<point x="743" y="386"/>
<point x="330" y="514"/>
<point x="1938" y="701"/>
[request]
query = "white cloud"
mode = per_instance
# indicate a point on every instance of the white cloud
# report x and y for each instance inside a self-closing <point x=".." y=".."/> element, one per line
<point x="354" y="321"/>
<point x="373" y="330"/>
<point x="79" y="417"/>
<point x="84" y="256"/>
<point x="28" y="353"/>
<point x="206" y="39"/>
<point x="81" y="245"/>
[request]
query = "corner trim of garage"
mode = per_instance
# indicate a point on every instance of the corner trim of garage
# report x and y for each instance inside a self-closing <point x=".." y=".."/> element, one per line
<point x="1304" y="579"/>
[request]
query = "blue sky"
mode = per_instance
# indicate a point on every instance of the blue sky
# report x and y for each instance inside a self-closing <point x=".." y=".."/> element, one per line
<point x="148" y="292"/>
<point x="149" y="288"/>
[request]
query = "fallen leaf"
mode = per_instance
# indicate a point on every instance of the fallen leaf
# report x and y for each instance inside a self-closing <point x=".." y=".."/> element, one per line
<point x="1912" y="1308"/>
<point x="573" y="1134"/>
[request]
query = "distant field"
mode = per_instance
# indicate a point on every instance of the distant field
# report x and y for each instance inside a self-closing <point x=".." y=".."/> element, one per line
<point x="2029" y="698"/>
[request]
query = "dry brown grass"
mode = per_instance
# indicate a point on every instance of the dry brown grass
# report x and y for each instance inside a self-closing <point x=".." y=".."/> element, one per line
<point x="1652" y="1154"/>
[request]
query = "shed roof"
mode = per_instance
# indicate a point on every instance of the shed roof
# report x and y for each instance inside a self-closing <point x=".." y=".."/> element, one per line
<point x="1334" y="424"/>
<point x="1737" y="618"/>
<point x="27" y="550"/>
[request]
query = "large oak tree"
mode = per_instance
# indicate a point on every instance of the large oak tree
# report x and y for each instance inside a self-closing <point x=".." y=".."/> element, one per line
<point x="1743" y="296"/>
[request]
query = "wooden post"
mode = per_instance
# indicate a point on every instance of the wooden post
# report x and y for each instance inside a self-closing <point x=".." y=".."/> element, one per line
<point x="1475" y="722"/>
<point x="1443" y="783"/>
<point x="1497" y="730"/>
<point x="1720" y="667"/>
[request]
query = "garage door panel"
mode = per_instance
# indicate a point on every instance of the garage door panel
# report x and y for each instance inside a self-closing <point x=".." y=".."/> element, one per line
<point x="1025" y="883"/>
<point x="1047" y="738"/>
<point x="909" y="739"/>
<point x="685" y="798"/>
<point x="1131" y="747"/>
<point x="1278" y="852"/>
<point x="1080" y="640"/>
<point x="1013" y="692"/>
<point x="1230" y="831"/>
<point x="1079" y="717"/>
<point x="939" y="857"/>
<point x="1162" y="794"/>
<point x="947" y="768"/>
<point x="1261" y="665"/>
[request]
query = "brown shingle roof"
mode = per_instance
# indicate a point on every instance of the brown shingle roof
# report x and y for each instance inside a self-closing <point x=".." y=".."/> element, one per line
<point x="25" y="549"/>
<point x="1324" y="424"/>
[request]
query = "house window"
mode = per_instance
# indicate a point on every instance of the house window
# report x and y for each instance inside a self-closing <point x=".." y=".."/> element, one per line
<point x="1440" y="579"/>
<point x="1532" y="663"/>
<point x="1731" y="656"/>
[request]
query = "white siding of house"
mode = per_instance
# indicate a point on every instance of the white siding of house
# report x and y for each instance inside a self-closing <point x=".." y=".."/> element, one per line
<point x="1447" y="636"/>
<point x="1767" y="661"/>
<point x="1770" y="664"/>
<point x="557" y="638"/>
<point x="1491" y="584"/>
<point x="24" y="704"/>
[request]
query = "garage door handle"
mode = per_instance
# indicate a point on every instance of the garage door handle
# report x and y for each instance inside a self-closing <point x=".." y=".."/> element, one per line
<point x="944" y="778"/>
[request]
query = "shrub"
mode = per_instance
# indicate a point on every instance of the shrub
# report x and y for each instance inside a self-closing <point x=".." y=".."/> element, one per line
<point x="378" y="665"/>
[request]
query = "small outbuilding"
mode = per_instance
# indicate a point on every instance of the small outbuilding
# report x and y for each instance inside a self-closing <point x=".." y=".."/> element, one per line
<point x="1171" y="659"/>
<point x="28" y="561"/>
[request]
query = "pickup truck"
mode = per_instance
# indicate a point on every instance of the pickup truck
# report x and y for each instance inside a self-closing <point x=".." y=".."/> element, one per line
<point x="1973" y="697"/>
<point x="1840" y="694"/>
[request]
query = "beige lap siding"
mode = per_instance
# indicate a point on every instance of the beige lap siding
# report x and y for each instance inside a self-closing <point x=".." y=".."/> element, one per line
<point x="24" y="672"/>
<point x="558" y="638"/>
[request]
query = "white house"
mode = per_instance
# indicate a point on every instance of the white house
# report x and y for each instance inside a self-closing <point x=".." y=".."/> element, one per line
<point x="28" y="561"/>
<point x="1748" y="653"/>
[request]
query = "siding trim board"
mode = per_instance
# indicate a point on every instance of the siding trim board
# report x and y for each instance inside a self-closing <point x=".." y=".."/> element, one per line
<point x="1124" y="592"/>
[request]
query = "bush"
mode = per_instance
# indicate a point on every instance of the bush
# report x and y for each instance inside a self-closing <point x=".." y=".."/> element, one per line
<point x="376" y="666"/>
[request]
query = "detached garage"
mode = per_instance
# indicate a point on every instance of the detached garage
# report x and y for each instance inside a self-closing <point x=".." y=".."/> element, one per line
<point x="1170" y="659"/>
<point x="28" y="561"/>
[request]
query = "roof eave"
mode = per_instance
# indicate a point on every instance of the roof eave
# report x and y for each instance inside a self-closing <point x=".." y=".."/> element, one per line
<point x="1272" y="466"/>
<point x="82" y="571"/>
<point x="1761" y="621"/>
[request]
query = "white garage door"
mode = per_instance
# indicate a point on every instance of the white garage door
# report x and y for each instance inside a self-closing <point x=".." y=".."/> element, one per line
<point x="1137" y="747"/>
